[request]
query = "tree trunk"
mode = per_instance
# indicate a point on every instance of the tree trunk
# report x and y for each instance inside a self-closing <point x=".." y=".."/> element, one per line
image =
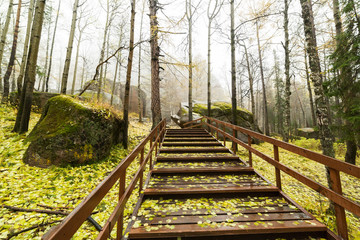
<point x="189" y="17"/>
<point x="102" y="53"/>
<point x="65" y="75"/>
<point x="118" y="62"/>
<point x="209" y="70"/>
<point x="251" y="84"/>
<point x="47" y="53"/>
<point x="233" y="67"/>
<point x="12" y="56"/>
<point x="326" y="137"/>
<point x="155" y="53"/>
<point x="139" y="66"/>
<point x="287" y="130"/>
<point x="3" y="39"/>
<point x="351" y="147"/>
<point x="265" y="112"/>
<point x="309" y="90"/>
<point x="81" y="30"/>
<point x="23" y="114"/>
<point x="128" y="76"/>
<point x="52" y="49"/>
<point x="26" y="47"/>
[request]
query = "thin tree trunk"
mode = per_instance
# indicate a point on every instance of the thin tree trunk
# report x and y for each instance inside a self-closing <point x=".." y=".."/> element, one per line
<point x="65" y="75"/>
<point x="26" y="47"/>
<point x="287" y="123"/>
<point x="313" y="116"/>
<point x="4" y="33"/>
<point x="81" y="30"/>
<point x="155" y="53"/>
<point x="47" y="54"/>
<point x="139" y="65"/>
<point x="128" y="76"/>
<point x="266" y="119"/>
<point x="233" y="67"/>
<point x="189" y="17"/>
<point x="23" y="114"/>
<point x="118" y="62"/>
<point x="209" y="70"/>
<point x="102" y="53"/>
<point x="52" y="49"/>
<point x="12" y="56"/>
<point x="251" y="84"/>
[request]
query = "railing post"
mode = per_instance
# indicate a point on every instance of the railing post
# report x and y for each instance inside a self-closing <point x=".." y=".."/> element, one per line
<point x="151" y="153"/>
<point x="224" y="129"/>
<point x="277" y="171"/>
<point x="217" y="131"/>
<point x="339" y="211"/>
<point x="234" y="145"/>
<point x="156" y="142"/>
<point x="250" y="153"/>
<point x="211" y="129"/>
<point x="142" y="172"/>
<point x="120" y="222"/>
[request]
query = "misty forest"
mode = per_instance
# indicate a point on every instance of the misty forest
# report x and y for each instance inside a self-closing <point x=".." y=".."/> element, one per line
<point x="115" y="114"/>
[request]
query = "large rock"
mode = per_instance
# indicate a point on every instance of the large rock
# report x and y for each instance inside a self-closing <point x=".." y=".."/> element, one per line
<point x="71" y="132"/>
<point x="221" y="111"/>
<point x="307" y="133"/>
<point x="39" y="99"/>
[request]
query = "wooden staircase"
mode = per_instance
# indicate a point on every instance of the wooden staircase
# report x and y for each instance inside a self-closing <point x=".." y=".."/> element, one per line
<point x="199" y="189"/>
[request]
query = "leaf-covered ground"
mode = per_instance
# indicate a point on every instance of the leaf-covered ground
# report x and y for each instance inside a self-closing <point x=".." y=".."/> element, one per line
<point x="312" y="201"/>
<point x="54" y="189"/>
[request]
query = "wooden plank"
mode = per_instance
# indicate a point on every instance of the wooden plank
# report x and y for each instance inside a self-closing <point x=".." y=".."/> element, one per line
<point x="239" y="209"/>
<point x="190" y="140"/>
<point x="202" y="170"/>
<point x="188" y="136"/>
<point x="194" y="150"/>
<point x="183" y="230"/>
<point x="202" y="158"/>
<point x="249" y="217"/>
<point x="207" y="191"/>
<point x="185" y="144"/>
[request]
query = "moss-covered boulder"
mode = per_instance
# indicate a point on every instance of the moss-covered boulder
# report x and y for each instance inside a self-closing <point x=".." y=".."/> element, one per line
<point x="39" y="99"/>
<point x="221" y="111"/>
<point x="71" y="132"/>
<point x="307" y="133"/>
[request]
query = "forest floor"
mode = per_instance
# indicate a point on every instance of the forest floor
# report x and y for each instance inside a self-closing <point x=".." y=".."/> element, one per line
<point x="62" y="189"/>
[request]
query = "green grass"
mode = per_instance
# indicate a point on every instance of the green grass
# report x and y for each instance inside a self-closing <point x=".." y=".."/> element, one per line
<point x="59" y="188"/>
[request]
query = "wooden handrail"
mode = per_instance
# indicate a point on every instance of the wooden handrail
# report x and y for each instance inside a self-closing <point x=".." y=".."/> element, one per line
<point x="334" y="165"/>
<point x="193" y="121"/>
<point x="67" y="228"/>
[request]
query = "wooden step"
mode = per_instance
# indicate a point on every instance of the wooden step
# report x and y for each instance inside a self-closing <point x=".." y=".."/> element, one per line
<point x="194" y="150"/>
<point x="198" y="158"/>
<point x="167" y="191"/>
<point x="190" y="139"/>
<point x="237" y="228"/>
<point x="188" y="136"/>
<point x="201" y="170"/>
<point x="190" y="144"/>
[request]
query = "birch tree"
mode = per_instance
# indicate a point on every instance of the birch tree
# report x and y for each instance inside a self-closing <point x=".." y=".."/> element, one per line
<point x="326" y="137"/>
<point x="233" y="64"/>
<point x="12" y="55"/>
<point x="211" y="14"/>
<point x="4" y="34"/>
<point x="287" y="73"/>
<point x="139" y="64"/>
<point x="52" y="48"/>
<point x="189" y="16"/>
<point x="65" y="75"/>
<point x="26" y="47"/>
<point x="23" y="114"/>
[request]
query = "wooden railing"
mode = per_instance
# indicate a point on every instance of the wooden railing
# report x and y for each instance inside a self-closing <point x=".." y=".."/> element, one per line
<point x="335" y="166"/>
<point x="68" y="227"/>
